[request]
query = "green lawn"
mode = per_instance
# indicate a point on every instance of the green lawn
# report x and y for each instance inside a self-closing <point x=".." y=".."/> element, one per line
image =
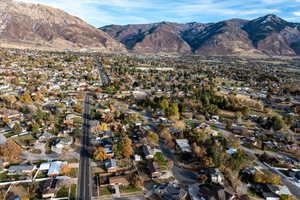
<point x="42" y="174"/>
<point x="73" y="192"/>
<point x="105" y="191"/>
<point x="129" y="189"/>
<point x="9" y="134"/>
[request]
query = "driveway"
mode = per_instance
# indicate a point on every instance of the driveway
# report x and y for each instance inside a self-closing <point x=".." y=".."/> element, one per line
<point x="183" y="176"/>
<point x="53" y="156"/>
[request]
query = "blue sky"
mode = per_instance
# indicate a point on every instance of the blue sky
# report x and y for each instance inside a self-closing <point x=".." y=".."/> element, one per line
<point x="105" y="12"/>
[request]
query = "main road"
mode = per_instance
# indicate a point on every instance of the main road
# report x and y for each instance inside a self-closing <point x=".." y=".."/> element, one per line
<point x="84" y="186"/>
<point x="104" y="78"/>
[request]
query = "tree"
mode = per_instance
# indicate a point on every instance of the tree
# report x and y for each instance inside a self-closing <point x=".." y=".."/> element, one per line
<point x="15" y="81"/>
<point x="153" y="137"/>
<point x="278" y="123"/>
<point x="207" y="162"/>
<point x="39" y="97"/>
<point x="165" y="134"/>
<point x="179" y="124"/>
<point x="100" y="154"/>
<point x="10" y="150"/>
<point x="103" y="127"/>
<point x="200" y="135"/>
<point x="238" y="115"/>
<point x="17" y="129"/>
<point x="137" y="181"/>
<point x="266" y="177"/>
<point x="164" y="105"/>
<point x="288" y="119"/>
<point x="229" y="124"/>
<point x="5" y="119"/>
<point x="199" y="151"/>
<point x="65" y="169"/>
<point x="34" y="127"/>
<point x="245" y="111"/>
<point x="287" y="197"/>
<point x="62" y="192"/>
<point x="77" y="108"/>
<point x="237" y="160"/>
<point x="117" y="148"/>
<point x="202" y="178"/>
<point x="127" y="147"/>
<point x="26" y="98"/>
<point x="211" y="109"/>
<point x="161" y="161"/>
<point x="9" y="99"/>
<point x="174" y="111"/>
<point x="275" y="179"/>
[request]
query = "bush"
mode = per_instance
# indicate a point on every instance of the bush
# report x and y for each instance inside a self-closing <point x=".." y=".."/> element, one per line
<point x="62" y="192"/>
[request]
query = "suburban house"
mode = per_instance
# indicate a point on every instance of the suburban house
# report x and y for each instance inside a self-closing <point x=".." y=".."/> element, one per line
<point x="21" y="169"/>
<point x="214" y="175"/>
<point x="106" y="134"/>
<point x="198" y="192"/>
<point x="55" y="168"/>
<point x="270" y="196"/>
<point x="148" y="152"/>
<point x="170" y="191"/>
<point x="108" y="150"/>
<point x="45" y="136"/>
<point x="60" y="144"/>
<point x="137" y="158"/>
<point x="111" y="165"/>
<point x="183" y="145"/>
<point x="279" y="190"/>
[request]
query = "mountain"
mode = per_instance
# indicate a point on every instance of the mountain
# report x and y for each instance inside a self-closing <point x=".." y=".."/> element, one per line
<point x="273" y="35"/>
<point x="267" y="35"/>
<point x="223" y="38"/>
<point x="38" y="26"/>
<point x="150" y="38"/>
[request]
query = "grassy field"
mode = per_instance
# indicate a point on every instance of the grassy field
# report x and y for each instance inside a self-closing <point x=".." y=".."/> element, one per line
<point x="105" y="191"/>
<point x="129" y="189"/>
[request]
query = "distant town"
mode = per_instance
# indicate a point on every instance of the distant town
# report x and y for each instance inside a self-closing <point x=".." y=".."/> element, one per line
<point x="125" y="126"/>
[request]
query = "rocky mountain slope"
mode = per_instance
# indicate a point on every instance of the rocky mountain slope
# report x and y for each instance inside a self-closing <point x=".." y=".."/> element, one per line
<point x="39" y="26"/>
<point x="267" y="35"/>
<point x="150" y="38"/>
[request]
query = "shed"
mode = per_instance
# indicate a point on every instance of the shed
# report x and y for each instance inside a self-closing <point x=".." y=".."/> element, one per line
<point x="183" y="145"/>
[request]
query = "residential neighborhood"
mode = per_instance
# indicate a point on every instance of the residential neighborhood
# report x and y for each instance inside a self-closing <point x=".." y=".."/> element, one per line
<point x="157" y="127"/>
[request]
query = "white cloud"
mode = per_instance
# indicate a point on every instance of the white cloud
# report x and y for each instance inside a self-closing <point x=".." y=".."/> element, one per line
<point x="297" y="13"/>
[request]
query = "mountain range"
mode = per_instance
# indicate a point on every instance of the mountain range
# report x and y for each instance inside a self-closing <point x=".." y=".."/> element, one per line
<point x="267" y="35"/>
<point x="24" y="25"/>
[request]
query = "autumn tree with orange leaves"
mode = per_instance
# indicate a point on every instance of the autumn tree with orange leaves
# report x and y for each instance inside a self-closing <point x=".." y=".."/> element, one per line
<point x="10" y="150"/>
<point x="100" y="154"/>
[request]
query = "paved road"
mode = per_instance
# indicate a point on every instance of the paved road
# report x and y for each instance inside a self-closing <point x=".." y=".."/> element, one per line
<point x="84" y="190"/>
<point x="104" y="78"/>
